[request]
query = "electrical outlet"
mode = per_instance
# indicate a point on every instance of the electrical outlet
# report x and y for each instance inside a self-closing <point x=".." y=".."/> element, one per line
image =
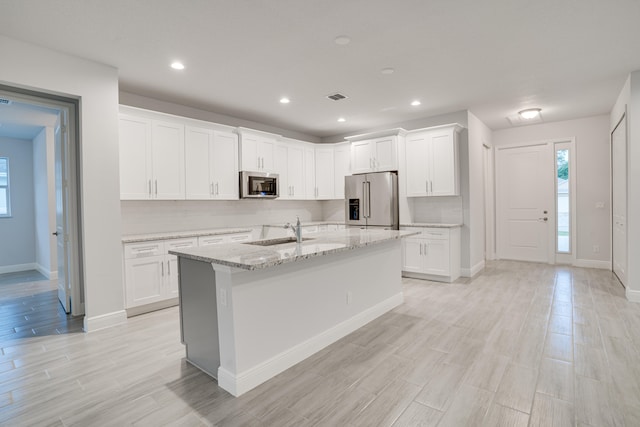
<point x="596" y="249"/>
<point x="349" y="297"/>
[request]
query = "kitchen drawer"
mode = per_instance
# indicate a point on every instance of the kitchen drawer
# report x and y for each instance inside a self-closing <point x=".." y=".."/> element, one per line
<point x="177" y="244"/>
<point x="212" y="240"/>
<point x="239" y="237"/>
<point x="144" y="249"/>
<point x="435" y="233"/>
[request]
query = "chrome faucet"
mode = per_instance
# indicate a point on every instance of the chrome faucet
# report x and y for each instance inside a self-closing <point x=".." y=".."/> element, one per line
<point x="297" y="229"/>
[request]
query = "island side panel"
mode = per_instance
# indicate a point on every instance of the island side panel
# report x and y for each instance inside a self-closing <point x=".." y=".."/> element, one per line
<point x="279" y="316"/>
<point x="198" y="314"/>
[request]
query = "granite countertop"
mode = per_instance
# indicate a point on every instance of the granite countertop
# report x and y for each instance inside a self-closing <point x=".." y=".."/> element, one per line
<point x="182" y="234"/>
<point x="431" y="225"/>
<point x="252" y="257"/>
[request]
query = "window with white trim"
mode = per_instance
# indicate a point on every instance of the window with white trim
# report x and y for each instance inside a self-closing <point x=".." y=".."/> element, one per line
<point x="5" y="204"/>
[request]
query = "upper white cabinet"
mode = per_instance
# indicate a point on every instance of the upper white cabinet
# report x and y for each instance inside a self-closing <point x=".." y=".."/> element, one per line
<point x="211" y="164"/>
<point x="432" y="161"/>
<point x="151" y="159"/>
<point x="324" y="173"/>
<point x="135" y="157"/>
<point x="341" y="168"/>
<point x="289" y="164"/>
<point x="375" y="152"/>
<point x="257" y="150"/>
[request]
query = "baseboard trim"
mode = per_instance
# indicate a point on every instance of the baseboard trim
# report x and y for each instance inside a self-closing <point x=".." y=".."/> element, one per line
<point x="470" y="272"/>
<point x="633" y="296"/>
<point x="103" y="321"/>
<point x="147" y="308"/>
<point x="51" y="275"/>
<point x="244" y="381"/>
<point x="18" y="267"/>
<point x="592" y="263"/>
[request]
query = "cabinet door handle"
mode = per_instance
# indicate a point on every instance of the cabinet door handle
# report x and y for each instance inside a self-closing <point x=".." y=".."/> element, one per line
<point x="420" y="249"/>
<point x="211" y="189"/>
<point x="168" y="268"/>
<point x="156" y="187"/>
<point x="426" y="183"/>
<point x="431" y="185"/>
<point x="162" y="264"/>
<point x="426" y="249"/>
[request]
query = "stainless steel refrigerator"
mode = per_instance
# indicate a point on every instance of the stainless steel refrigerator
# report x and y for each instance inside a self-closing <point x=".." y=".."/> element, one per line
<point x="371" y="200"/>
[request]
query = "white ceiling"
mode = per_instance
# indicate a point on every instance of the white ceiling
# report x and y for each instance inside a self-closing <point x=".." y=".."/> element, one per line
<point x="495" y="57"/>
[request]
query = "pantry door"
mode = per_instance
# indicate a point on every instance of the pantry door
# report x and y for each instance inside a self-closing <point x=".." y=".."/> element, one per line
<point x="525" y="203"/>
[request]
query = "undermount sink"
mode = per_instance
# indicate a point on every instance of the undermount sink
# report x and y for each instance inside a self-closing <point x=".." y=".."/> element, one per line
<point x="273" y="242"/>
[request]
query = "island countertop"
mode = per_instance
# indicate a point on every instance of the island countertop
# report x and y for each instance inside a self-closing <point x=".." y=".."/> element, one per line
<point x="259" y="254"/>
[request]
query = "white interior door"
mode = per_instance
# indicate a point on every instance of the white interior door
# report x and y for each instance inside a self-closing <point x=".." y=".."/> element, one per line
<point x="619" y="199"/>
<point x="64" y="282"/>
<point x="525" y="203"/>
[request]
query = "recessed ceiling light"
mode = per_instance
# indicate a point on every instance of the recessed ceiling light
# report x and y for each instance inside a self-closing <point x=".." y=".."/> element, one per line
<point x="284" y="100"/>
<point x="387" y="70"/>
<point x="342" y="119"/>
<point x="342" y="40"/>
<point x="530" y="113"/>
<point x="415" y="103"/>
<point x="177" y="65"/>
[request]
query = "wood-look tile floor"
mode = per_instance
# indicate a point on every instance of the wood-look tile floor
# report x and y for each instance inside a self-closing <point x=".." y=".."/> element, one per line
<point x="520" y="344"/>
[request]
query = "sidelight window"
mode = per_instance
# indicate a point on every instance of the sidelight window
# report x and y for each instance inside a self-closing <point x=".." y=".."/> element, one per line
<point x="563" y="201"/>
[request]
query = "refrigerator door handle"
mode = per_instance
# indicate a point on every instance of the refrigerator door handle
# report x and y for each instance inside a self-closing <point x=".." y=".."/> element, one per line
<point x="368" y="199"/>
<point x="365" y="203"/>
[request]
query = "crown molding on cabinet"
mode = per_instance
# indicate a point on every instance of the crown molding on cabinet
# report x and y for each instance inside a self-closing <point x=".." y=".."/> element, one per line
<point x="377" y="134"/>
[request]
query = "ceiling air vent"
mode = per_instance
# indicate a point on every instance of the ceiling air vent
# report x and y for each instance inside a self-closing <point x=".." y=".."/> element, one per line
<point x="5" y="101"/>
<point x="337" y="97"/>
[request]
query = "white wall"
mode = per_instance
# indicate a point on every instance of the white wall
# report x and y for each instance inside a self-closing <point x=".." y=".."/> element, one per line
<point x="96" y="86"/>
<point x="17" y="244"/>
<point x="157" y="216"/>
<point x="45" y="203"/>
<point x="593" y="172"/>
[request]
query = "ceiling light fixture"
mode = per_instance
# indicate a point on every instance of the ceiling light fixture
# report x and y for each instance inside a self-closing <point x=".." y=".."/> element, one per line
<point x="284" y="100"/>
<point x="342" y="40"/>
<point x="177" y="65"/>
<point x="415" y="103"/>
<point x="387" y="70"/>
<point x="342" y="119"/>
<point x="529" y="113"/>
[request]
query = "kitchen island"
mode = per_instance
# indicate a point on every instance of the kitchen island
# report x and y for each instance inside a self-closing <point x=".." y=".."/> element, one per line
<point x="249" y="311"/>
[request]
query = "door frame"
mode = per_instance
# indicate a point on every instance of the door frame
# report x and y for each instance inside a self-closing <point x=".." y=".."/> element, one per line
<point x="71" y="107"/>
<point x="552" y="254"/>
<point x="623" y="118"/>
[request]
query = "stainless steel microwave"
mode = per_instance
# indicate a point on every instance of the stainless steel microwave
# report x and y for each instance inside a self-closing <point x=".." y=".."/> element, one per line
<point x="259" y="185"/>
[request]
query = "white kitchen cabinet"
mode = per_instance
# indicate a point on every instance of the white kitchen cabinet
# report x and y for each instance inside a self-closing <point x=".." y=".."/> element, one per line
<point x="374" y="155"/>
<point x="256" y="150"/>
<point x="310" y="171"/>
<point x="434" y="254"/>
<point x="289" y="164"/>
<point x="151" y="274"/>
<point x="324" y="173"/>
<point x="135" y="157"/>
<point x="432" y="164"/>
<point x="151" y="159"/>
<point x="211" y="164"/>
<point x="341" y="168"/>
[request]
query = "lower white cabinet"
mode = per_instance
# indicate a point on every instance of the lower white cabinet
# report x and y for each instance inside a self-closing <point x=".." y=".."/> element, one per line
<point x="151" y="274"/>
<point x="433" y="254"/>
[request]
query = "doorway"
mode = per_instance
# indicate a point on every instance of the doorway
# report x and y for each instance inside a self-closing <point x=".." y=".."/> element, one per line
<point x="62" y="148"/>
<point x="535" y="209"/>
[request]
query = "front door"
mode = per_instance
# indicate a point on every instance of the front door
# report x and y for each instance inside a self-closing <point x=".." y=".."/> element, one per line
<point x="525" y="203"/>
